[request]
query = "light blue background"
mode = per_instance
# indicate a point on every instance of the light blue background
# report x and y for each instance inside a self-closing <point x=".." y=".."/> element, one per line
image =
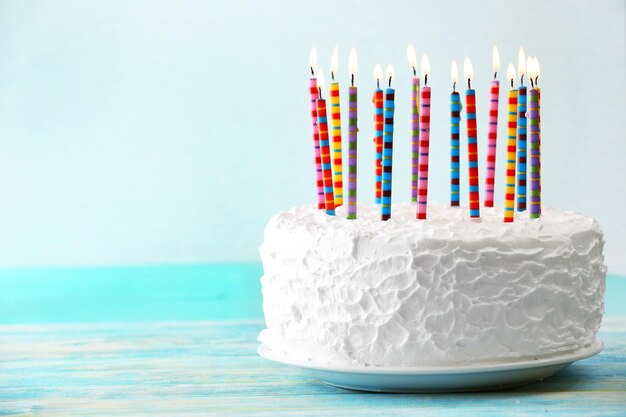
<point x="151" y="132"/>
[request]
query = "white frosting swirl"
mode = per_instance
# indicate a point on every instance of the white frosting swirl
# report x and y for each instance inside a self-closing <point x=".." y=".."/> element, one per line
<point x="443" y="291"/>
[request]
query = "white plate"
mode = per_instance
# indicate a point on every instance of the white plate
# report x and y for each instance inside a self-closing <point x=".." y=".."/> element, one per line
<point x="435" y="379"/>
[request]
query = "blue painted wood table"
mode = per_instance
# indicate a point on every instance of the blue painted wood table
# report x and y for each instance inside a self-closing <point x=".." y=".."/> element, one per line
<point x="171" y="341"/>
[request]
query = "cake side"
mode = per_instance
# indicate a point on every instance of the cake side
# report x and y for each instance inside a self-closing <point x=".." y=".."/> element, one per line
<point x="443" y="291"/>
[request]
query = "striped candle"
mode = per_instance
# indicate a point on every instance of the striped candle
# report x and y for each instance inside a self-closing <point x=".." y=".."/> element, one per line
<point x="472" y="141"/>
<point x="455" y="146"/>
<point x="387" y="148"/>
<point x="335" y="116"/>
<point x="329" y="198"/>
<point x="378" y="141"/>
<point x="352" y="150"/>
<point x="316" y="143"/>
<point x="415" y="137"/>
<point x="533" y="121"/>
<point x="491" y="143"/>
<point x="521" y="149"/>
<point x="539" y="127"/>
<point x="424" y="144"/>
<point x="511" y="150"/>
<point x="472" y="153"/>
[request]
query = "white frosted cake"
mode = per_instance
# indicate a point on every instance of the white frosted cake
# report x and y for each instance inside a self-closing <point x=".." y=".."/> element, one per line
<point x="444" y="291"/>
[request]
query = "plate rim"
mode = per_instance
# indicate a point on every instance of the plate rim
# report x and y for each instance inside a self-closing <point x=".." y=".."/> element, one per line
<point x="586" y="352"/>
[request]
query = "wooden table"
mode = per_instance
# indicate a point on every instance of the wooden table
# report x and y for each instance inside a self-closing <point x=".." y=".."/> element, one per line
<point x="206" y="367"/>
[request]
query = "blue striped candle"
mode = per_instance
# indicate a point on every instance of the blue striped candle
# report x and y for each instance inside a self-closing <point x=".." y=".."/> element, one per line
<point x="455" y="154"/>
<point x="521" y="149"/>
<point x="387" y="154"/>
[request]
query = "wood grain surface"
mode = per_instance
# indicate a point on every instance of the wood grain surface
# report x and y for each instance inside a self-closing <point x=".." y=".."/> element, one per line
<point x="210" y="368"/>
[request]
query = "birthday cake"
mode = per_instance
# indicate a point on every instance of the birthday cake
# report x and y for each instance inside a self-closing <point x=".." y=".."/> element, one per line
<point x="446" y="291"/>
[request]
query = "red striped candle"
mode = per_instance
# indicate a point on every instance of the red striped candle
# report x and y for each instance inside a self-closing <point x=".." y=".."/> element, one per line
<point x="424" y="142"/>
<point x="472" y="142"/>
<point x="322" y="117"/>
<point x="379" y="119"/>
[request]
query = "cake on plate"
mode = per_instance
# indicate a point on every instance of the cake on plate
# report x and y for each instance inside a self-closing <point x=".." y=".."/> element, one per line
<point x="443" y="292"/>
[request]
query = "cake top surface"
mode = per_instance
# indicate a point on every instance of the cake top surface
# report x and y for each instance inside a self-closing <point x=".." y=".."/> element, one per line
<point x="444" y="222"/>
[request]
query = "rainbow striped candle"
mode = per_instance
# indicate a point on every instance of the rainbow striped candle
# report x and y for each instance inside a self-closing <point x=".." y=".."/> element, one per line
<point x="533" y="121"/>
<point x="314" y="93"/>
<point x="455" y="146"/>
<point x="537" y="74"/>
<point x="492" y="136"/>
<point x="472" y="143"/>
<point x="377" y="99"/>
<point x="521" y="135"/>
<point x="335" y="116"/>
<point x="388" y="148"/>
<point x="415" y="122"/>
<point x="352" y="138"/>
<point x="329" y="198"/>
<point x="511" y="150"/>
<point x="424" y="142"/>
<point x="415" y="137"/>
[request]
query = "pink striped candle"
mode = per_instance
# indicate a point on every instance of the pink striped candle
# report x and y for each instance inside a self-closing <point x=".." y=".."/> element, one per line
<point x="493" y="132"/>
<point x="424" y="142"/>
<point x="314" y="93"/>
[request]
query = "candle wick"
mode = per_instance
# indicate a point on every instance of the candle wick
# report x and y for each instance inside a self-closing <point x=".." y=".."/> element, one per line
<point x="332" y="76"/>
<point x="532" y="83"/>
<point x="319" y="91"/>
<point x="495" y="75"/>
<point x="536" y="80"/>
<point x="522" y="80"/>
<point x="469" y="83"/>
<point x="511" y="82"/>
<point x="352" y="81"/>
<point x="312" y="71"/>
<point x="425" y="80"/>
<point x="390" y="82"/>
<point x="377" y="83"/>
<point x="414" y="72"/>
<point x="454" y="86"/>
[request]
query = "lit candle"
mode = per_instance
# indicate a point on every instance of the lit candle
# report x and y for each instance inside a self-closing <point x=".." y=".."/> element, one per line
<point x="537" y="75"/>
<point x="493" y="131"/>
<point x="535" y="150"/>
<point x="455" y="154"/>
<point x="329" y="198"/>
<point x="415" y="124"/>
<point x="511" y="149"/>
<point x="424" y="141"/>
<point x="387" y="146"/>
<point x="352" y="135"/>
<point x="314" y="92"/>
<point x="335" y="116"/>
<point x="472" y="141"/>
<point x="521" y="134"/>
<point x="377" y="99"/>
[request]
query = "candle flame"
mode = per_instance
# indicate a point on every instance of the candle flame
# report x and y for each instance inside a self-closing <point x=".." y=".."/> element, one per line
<point x="321" y="81"/>
<point x="510" y="72"/>
<point x="378" y="73"/>
<point x="495" y="60"/>
<point x="521" y="63"/>
<point x="410" y="54"/>
<point x="425" y="66"/>
<point x="468" y="70"/>
<point x="334" y="62"/>
<point x="454" y="72"/>
<point x="537" y="68"/>
<point x="389" y="74"/>
<point x="313" y="59"/>
<point x="352" y="62"/>
<point x="530" y="67"/>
